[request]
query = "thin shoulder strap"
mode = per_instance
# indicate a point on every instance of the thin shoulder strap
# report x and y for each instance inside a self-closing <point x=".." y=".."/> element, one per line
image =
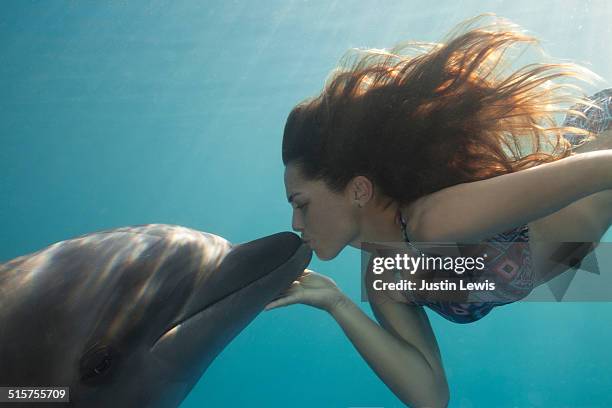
<point x="402" y="221"/>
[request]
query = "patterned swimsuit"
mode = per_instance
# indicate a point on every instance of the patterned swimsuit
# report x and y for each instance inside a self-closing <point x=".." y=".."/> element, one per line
<point x="510" y="265"/>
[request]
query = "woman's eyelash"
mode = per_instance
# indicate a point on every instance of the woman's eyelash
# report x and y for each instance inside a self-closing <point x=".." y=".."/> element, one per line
<point x="301" y="206"/>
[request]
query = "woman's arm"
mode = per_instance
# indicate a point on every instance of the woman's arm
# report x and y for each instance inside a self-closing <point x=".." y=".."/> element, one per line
<point x="404" y="354"/>
<point x="476" y="211"/>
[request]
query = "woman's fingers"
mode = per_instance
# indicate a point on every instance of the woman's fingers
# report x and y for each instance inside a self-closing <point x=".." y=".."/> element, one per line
<point x="288" y="297"/>
<point x="310" y="288"/>
<point x="284" y="301"/>
<point x="289" y="290"/>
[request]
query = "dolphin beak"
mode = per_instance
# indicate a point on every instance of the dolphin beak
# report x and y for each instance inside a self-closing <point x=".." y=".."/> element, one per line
<point x="249" y="277"/>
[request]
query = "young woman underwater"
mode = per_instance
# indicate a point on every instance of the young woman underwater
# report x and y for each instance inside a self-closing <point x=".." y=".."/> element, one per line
<point x="443" y="145"/>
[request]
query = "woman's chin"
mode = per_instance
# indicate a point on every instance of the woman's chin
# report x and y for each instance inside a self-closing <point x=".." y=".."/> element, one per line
<point x="324" y="255"/>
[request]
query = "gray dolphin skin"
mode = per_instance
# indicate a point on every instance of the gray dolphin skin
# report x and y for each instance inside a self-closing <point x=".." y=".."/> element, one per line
<point x="132" y="317"/>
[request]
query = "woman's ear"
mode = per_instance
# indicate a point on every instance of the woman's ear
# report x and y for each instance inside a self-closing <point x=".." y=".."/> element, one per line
<point x="361" y="191"/>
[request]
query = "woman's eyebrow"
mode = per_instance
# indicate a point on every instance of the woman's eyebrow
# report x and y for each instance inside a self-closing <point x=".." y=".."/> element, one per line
<point x="290" y="199"/>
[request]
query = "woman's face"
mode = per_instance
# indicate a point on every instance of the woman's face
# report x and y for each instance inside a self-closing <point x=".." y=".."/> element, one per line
<point x="326" y="220"/>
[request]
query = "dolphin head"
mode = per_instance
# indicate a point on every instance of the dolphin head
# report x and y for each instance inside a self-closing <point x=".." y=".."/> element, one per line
<point x="134" y="316"/>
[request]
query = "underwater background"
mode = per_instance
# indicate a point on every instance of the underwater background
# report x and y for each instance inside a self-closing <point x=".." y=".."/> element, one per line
<point x="118" y="113"/>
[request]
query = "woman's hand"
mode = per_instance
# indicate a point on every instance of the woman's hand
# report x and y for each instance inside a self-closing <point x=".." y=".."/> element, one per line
<point x="312" y="289"/>
<point x="601" y="142"/>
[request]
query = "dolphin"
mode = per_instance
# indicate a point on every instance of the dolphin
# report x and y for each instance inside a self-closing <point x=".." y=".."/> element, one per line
<point x="133" y="316"/>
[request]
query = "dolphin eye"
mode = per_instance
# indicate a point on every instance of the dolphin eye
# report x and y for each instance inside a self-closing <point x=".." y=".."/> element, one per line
<point x="97" y="363"/>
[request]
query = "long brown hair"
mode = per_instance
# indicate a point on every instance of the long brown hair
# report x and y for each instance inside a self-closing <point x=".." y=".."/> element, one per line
<point x="421" y="116"/>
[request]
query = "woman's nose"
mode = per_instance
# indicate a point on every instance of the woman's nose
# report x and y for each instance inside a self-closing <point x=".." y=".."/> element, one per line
<point x="296" y="222"/>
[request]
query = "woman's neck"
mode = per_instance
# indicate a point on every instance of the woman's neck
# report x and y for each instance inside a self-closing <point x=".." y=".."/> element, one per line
<point x="380" y="225"/>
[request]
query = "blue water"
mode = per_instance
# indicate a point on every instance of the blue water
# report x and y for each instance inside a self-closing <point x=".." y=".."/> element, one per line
<point x="131" y="112"/>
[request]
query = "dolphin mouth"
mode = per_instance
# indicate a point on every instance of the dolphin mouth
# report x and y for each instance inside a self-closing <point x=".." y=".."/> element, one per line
<point x="212" y="305"/>
<point x="241" y="289"/>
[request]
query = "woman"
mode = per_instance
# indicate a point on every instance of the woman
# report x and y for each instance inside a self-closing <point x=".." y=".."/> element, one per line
<point x="442" y="145"/>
